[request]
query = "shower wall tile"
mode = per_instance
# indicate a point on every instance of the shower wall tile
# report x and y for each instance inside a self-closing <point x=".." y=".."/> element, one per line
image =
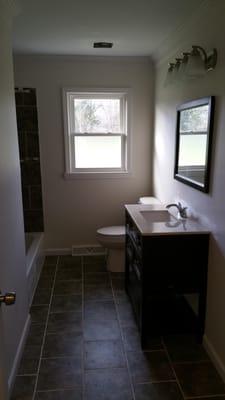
<point x="27" y="123"/>
<point x="22" y="144"/>
<point x="19" y="97"/>
<point x="26" y="197"/>
<point x="33" y="220"/>
<point x="32" y="141"/>
<point x="35" y="197"/>
<point x="29" y="97"/>
<point x="29" y="118"/>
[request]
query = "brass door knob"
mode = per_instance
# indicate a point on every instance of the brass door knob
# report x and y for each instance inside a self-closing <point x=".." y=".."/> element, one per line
<point x="9" y="298"/>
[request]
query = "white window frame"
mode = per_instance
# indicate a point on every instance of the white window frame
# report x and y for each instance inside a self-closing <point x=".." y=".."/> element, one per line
<point x="69" y="132"/>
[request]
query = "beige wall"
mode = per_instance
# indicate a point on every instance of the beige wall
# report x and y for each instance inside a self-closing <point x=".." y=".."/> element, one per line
<point x="207" y="29"/>
<point x="12" y="247"/>
<point x="74" y="209"/>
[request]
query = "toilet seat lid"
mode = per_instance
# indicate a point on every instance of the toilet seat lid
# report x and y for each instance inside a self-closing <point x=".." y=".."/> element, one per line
<point x="112" y="231"/>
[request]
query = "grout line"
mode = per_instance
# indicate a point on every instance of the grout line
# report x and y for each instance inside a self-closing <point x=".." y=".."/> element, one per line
<point x="145" y="351"/>
<point x="150" y="382"/>
<point x="123" y="344"/>
<point x="58" y="390"/>
<point x="171" y="365"/>
<point x="45" y="331"/>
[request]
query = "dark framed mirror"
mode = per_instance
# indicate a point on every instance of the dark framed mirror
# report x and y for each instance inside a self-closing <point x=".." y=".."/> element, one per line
<point x="193" y="142"/>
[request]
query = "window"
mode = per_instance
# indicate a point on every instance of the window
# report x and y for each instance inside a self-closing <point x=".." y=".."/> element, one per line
<point x="96" y="131"/>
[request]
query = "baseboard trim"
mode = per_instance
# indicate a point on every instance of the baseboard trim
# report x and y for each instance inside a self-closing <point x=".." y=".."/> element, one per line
<point x="214" y="357"/>
<point x="18" y="355"/>
<point x="58" y="252"/>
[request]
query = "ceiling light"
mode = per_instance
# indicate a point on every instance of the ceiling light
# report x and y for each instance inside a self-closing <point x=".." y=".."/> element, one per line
<point x="192" y="65"/>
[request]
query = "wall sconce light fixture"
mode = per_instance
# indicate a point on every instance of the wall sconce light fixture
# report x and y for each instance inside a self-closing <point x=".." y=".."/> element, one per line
<point x="193" y="64"/>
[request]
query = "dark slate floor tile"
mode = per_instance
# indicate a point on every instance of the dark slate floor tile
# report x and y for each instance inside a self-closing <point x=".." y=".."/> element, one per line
<point x="67" y="273"/>
<point x="38" y="314"/>
<point x="132" y="340"/>
<point x="95" y="267"/>
<point x="119" y="290"/>
<point x="97" y="293"/>
<point x="100" y="310"/>
<point x="60" y="373"/>
<point x="199" y="379"/>
<point x="126" y="315"/>
<point x="97" y="278"/>
<point x="35" y="335"/>
<point x="58" y="345"/>
<point x="48" y="271"/>
<point x="68" y="287"/>
<point x="107" y="384"/>
<point x="45" y="283"/>
<point x="50" y="260"/>
<point x="107" y="329"/>
<point x="149" y="366"/>
<point x="74" y="394"/>
<point x="103" y="354"/>
<point x="42" y="297"/>
<point x="158" y="391"/>
<point x="28" y="366"/>
<point x="184" y="348"/>
<point x="66" y="303"/>
<point x="100" y="259"/>
<point x="64" y="322"/>
<point x="23" y="388"/>
<point x="69" y="261"/>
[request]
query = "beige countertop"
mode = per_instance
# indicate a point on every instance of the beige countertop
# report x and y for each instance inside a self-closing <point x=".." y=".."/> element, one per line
<point x="157" y="220"/>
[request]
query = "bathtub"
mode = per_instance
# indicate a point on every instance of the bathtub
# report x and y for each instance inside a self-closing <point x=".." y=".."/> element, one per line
<point x="34" y="260"/>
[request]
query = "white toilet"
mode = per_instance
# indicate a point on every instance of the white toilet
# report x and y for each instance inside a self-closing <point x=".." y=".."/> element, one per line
<point x="113" y="238"/>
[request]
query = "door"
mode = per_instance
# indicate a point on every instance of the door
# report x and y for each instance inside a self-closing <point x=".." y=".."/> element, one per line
<point x="13" y="320"/>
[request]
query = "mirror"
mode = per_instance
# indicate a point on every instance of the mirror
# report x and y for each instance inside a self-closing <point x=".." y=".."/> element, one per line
<point x="193" y="142"/>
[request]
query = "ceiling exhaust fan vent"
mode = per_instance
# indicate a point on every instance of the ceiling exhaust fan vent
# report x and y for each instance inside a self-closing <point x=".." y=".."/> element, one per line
<point x="102" y="45"/>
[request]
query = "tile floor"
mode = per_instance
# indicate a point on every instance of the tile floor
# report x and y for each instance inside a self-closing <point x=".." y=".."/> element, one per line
<point x="83" y="344"/>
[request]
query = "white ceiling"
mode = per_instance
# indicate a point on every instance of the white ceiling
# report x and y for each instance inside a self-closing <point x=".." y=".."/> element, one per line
<point x="69" y="27"/>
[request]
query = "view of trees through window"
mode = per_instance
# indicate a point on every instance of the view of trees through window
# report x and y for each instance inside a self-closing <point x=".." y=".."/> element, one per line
<point x="97" y="115"/>
<point x="194" y="119"/>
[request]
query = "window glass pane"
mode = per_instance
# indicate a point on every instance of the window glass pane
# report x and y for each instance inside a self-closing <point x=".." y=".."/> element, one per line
<point x="97" y="152"/>
<point x="192" y="150"/>
<point x="97" y="115"/>
<point x="194" y="119"/>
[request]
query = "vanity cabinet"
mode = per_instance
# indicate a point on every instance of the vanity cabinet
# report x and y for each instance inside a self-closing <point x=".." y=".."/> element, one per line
<point x="162" y="274"/>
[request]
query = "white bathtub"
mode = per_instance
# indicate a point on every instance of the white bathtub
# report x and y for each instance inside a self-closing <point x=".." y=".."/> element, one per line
<point x="34" y="260"/>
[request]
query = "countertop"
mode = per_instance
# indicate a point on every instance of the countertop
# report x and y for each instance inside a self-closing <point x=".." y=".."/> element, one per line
<point x="173" y="226"/>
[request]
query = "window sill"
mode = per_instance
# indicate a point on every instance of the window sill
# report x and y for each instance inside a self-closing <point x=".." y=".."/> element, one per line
<point x="96" y="175"/>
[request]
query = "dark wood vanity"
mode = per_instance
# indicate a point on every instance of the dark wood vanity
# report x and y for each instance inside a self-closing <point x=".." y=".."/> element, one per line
<point x="161" y="273"/>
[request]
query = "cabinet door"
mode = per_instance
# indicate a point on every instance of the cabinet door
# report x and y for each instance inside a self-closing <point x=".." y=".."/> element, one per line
<point x="176" y="262"/>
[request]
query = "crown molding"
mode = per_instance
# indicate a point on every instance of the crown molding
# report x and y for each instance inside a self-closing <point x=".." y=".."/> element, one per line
<point x="179" y="37"/>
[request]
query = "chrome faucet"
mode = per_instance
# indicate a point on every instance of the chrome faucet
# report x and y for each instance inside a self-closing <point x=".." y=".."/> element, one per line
<point x="181" y="210"/>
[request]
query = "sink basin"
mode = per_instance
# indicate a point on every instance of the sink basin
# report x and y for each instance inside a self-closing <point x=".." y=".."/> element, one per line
<point x="157" y="216"/>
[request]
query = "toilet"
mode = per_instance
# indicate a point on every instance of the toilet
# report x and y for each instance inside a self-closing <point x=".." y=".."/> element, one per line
<point x="113" y="239"/>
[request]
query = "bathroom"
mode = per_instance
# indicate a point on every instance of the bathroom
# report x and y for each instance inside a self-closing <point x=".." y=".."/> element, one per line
<point x="74" y="208"/>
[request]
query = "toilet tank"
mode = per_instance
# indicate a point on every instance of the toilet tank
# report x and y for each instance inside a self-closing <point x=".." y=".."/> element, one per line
<point x="148" y="200"/>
